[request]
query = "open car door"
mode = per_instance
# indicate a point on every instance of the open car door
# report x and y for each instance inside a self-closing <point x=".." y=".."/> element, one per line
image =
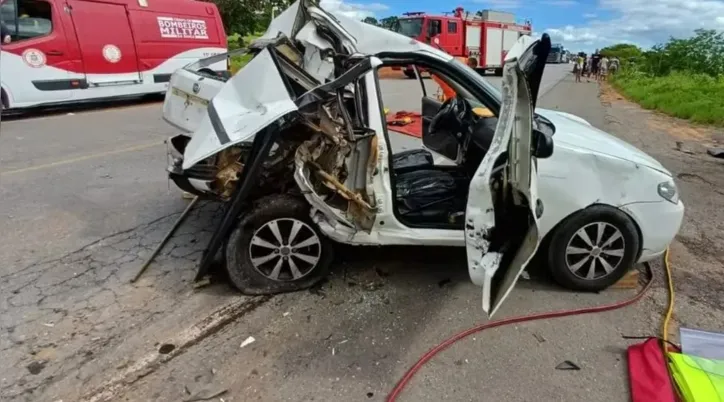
<point x="501" y="219"/>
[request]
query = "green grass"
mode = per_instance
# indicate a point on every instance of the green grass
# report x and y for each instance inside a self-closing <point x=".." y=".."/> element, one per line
<point x="696" y="97"/>
<point x="237" y="62"/>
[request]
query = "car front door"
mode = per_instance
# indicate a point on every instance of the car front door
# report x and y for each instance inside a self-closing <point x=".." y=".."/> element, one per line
<point x="501" y="219"/>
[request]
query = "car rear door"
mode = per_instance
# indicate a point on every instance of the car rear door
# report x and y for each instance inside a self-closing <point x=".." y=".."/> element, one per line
<point x="107" y="46"/>
<point x="501" y="228"/>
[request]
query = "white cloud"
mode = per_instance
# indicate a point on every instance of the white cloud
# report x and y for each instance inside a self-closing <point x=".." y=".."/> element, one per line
<point x="561" y="3"/>
<point x="643" y="22"/>
<point x="500" y="4"/>
<point x="354" y="10"/>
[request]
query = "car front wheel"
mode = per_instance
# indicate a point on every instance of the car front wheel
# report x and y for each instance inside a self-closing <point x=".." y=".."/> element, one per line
<point x="593" y="249"/>
<point x="277" y="248"/>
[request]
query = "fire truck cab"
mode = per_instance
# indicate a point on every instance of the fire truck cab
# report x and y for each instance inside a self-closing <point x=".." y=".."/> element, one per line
<point x="482" y="39"/>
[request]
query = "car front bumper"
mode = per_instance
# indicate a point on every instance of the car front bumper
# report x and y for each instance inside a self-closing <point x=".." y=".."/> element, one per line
<point x="196" y="180"/>
<point x="659" y="223"/>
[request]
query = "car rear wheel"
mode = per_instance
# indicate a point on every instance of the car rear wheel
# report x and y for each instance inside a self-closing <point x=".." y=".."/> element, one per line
<point x="593" y="249"/>
<point x="277" y="248"/>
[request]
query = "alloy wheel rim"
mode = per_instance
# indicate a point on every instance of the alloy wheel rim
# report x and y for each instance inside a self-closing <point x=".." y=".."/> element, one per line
<point x="285" y="249"/>
<point x="595" y="251"/>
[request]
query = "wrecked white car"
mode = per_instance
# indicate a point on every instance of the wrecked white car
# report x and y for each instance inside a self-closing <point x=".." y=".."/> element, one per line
<point x="297" y="145"/>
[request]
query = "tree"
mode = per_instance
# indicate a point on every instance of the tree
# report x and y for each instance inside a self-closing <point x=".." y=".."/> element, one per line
<point x="270" y="7"/>
<point x="370" y="20"/>
<point x="623" y="51"/>
<point x="247" y="16"/>
<point x="388" y="22"/>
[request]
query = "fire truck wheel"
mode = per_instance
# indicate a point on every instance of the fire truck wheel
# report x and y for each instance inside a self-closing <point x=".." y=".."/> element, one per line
<point x="498" y="72"/>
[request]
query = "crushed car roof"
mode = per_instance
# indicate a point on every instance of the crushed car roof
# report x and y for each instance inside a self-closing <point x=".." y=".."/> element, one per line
<point x="367" y="39"/>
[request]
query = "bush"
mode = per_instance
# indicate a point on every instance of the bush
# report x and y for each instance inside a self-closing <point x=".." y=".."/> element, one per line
<point x="697" y="97"/>
<point x="683" y="77"/>
<point x="236" y="41"/>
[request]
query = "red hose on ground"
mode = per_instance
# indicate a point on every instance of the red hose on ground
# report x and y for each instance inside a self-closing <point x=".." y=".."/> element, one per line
<point x="512" y="320"/>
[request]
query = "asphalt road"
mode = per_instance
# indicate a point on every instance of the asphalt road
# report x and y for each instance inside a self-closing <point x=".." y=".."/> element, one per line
<point x="84" y="198"/>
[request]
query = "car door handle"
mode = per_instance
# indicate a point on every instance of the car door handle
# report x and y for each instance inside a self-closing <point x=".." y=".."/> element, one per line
<point x="54" y="53"/>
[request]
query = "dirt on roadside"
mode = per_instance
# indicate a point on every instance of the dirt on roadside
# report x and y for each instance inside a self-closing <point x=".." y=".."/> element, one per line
<point x="697" y="255"/>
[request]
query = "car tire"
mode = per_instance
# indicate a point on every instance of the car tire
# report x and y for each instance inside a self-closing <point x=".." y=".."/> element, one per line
<point x="499" y="72"/>
<point x="253" y="271"/>
<point x="575" y="243"/>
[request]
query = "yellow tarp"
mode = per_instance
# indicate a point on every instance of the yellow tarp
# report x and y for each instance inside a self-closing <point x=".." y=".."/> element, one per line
<point x="698" y="379"/>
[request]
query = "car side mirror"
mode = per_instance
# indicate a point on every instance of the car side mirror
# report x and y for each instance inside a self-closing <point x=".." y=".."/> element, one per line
<point x="542" y="145"/>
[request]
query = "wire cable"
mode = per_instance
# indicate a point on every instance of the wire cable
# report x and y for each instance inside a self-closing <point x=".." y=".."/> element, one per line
<point x="670" y="307"/>
<point x="514" y="320"/>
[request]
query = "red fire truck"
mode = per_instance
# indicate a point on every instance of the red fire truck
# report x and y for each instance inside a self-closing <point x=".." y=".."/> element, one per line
<point x="483" y="38"/>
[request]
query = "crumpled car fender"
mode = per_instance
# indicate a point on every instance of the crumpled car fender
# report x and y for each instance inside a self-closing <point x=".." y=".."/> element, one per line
<point x="596" y="178"/>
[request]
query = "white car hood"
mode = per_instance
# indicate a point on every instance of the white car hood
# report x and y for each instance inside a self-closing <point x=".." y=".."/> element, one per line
<point x="577" y="133"/>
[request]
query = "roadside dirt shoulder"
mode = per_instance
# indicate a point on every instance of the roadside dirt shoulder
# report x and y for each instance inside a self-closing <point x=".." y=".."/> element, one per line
<point x="698" y="252"/>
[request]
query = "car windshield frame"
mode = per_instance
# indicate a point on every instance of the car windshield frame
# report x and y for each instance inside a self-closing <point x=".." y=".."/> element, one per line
<point x="494" y="93"/>
<point x="475" y="76"/>
<point x="416" y="23"/>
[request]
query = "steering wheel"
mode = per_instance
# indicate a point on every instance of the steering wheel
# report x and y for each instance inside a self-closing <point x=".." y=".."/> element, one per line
<point x="453" y="116"/>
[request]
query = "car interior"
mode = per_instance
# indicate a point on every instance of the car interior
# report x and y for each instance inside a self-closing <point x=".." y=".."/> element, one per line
<point x="435" y="196"/>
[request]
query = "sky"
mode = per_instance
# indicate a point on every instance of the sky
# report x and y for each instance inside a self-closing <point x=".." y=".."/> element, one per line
<point x="580" y="25"/>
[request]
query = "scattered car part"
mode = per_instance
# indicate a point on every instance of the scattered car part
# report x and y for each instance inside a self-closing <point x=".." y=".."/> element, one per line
<point x="716" y="152"/>
<point x="568" y="365"/>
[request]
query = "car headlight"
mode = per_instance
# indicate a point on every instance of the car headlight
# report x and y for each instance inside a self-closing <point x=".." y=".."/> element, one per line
<point x="667" y="190"/>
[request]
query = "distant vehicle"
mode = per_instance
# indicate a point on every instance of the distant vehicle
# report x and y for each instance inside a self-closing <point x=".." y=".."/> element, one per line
<point x="566" y="56"/>
<point x="483" y="40"/>
<point x="66" y="51"/>
<point x="557" y="54"/>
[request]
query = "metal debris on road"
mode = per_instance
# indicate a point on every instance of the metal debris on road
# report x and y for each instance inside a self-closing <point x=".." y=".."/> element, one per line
<point x="202" y="283"/>
<point x="716" y="152"/>
<point x="248" y="341"/>
<point x="568" y="365"/>
<point x="205" y="394"/>
<point x="37" y="366"/>
<point x="165" y="240"/>
<point x="680" y="148"/>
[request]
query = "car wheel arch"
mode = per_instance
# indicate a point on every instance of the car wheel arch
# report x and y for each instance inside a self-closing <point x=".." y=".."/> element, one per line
<point x="558" y="240"/>
<point x="4" y="98"/>
<point x="545" y="242"/>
